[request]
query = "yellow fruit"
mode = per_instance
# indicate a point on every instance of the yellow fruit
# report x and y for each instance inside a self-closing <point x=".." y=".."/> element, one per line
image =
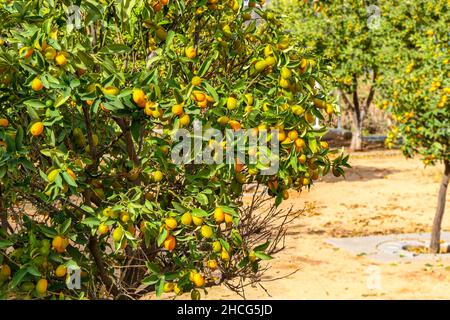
<point x="216" y="246"/>
<point x="168" y="287"/>
<point x="293" y="134"/>
<point x="219" y="215"/>
<point x="41" y="286"/>
<point x="298" y="110"/>
<point x="107" y="212"/>
<point x="61" y="271"/>
<point x="284" y="83"/>
<point x="228" y="218"/>
<point x="139" y="97"/>
<point x="268" y="51"/>
<point x="235" y="125"/>
<point x="330" y="109"/>
<point x="285" y="194"/>
<point x="185" y="120"/>
<point x="320" y="103"/>
<point x="199" y="96"/>
<point x="113" y="91"/>
<point x="5" y="272"/>
<point x="270" y="61"/>
<point x="124" y="217"/>
<point x="37" y="84"/>
<point x="190" y="52"/>
<point x="171" y="223"/>
<point x="157" y="113"/>
<point x="4" y="122"/>
<point x="196" y="81"/>
<point x="299" y="143"/>
<point x="169" y="243"/>
<point x="60" y="244"/>
<point x="212" y="264"/>
<point x="231" y="103"/>
<point x="103" y="229"/>
<point x="177" y="290"/>
<point x="158" y="176"/>
<point x="186" y="219"/>
<point x="324" y="145"/>
<point x="225" y="255"/>
<point x="177" y="109"/>
<point x="306" y="181"/>
<point x="61" y="59"/>
<point x="251" y="256"/>
<point x="198" y="221"/>
<point x="223" y="120"/>
<point x="285" y="73"/>
<point x="261" y="65"/>
<point x="117" y="234"/>
<point x="309" y="117"/>
<point x="198" y="280"/>
<point x="283" y="43"/>
<point x="206" y="231"/>
<point x="248" y="99"/>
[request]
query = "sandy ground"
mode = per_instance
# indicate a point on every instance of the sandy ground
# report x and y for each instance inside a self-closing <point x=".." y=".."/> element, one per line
<point x="382" y="194"/>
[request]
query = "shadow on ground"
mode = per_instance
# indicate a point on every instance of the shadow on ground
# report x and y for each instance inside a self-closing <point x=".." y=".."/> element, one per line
<point x="361" y="173"/>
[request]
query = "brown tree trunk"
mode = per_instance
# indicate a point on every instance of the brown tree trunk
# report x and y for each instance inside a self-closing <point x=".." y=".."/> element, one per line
<point x="437" y="223"/>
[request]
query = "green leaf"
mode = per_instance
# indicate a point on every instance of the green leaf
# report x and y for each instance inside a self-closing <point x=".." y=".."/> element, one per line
<point x="34" y="271"/>
<point x="18" y="276"/>
<point x="91" y="221"/>
<point x="69" y="179"/>
<point x="115" y="49"/>
<point x="5" y="244"/>
<point x="160" y="287"/>
<point x="199" y="212"/>
<point x="162" y="236"/>
<point x="262" y="255"/>
<point x="262" y="247"/>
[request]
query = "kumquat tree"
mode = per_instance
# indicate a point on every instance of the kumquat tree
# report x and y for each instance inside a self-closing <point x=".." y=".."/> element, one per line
<point x="92" y="95"/>
<point x="417" y="87"/>
<point x="346" y="33"/>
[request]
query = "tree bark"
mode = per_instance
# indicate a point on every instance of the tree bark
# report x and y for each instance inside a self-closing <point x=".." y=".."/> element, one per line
<point x="437" y="223"/>
<point x="356" y="143"/>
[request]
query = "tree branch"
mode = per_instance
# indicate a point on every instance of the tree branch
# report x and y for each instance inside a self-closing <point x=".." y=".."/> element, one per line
<point x="372" y="90"/>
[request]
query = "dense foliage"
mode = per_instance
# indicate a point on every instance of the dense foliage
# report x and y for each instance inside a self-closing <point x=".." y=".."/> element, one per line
<point x="87" y="116"/>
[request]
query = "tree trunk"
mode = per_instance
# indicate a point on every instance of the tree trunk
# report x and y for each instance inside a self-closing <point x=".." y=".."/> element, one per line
<point x="437" y="223"/>
<point x="356" y="144"/>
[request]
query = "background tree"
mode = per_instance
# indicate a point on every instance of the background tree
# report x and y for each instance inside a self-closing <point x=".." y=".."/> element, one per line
<point x="87" y="117"/>
<point x="417" y="86"/>
<point x="347" y="33"/>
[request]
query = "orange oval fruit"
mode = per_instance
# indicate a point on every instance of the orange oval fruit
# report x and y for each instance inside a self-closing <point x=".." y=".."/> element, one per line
<point x="37" y="84"/>
<point x="190" y="52"/>
<point x="61" y="59"/>
<point x="198" y="280"/>
<point x="37" y="129"/>
<point x="61" y="271"/>
<point x="169" y="243"/>
<point x="41" y="286"/>
<point x="219" y="215"/>
<point x="171" y="223"/>
<point x="206" y="231"/>
<point x="4" y="122"/>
